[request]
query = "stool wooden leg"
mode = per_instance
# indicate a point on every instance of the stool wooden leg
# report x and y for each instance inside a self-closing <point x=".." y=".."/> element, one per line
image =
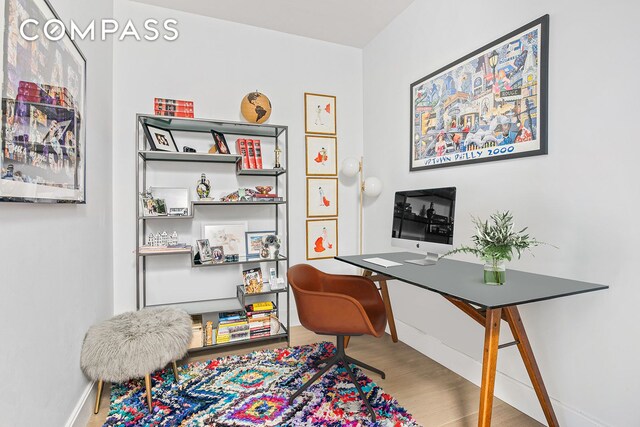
<point x="98" y="396"/>
<point x="147" y="383"/>
<point x="175" y="371"/>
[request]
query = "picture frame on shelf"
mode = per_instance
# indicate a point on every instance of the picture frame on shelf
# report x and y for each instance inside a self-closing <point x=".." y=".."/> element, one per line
<point x="218" y="254"/>
<point x="231" y="236"/>
<point x="254" y="242"/>
<point x="148" y="206"/>
<point x="322" y="238"/>
<point x="322" y="197"/>
<point x="160" y="139"/>
<point x="204" y="249"/>
<point x="176" y="199"/>
<point x="43" y="106"/>
<point x="321" y="155"/>
<point x="252" y="280"/>
<point x="319" y="114"/>
<point x="221" y="142"/>
<point x="161" y="207"/>
<point x="488" y="105"/>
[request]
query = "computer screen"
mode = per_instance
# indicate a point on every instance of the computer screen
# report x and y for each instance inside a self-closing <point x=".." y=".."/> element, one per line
<point x="424" y="219"/>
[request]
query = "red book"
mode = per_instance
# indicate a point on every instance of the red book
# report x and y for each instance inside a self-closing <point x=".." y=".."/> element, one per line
<point x="241" y="147"/>
<point x="251" y="154"/>
<point x="173" y="113"/>
<point x="257" y="153"/>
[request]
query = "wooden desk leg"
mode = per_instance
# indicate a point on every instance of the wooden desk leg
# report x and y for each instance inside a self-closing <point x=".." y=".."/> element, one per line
<point x="520" y="335"/>
<point x="384" y="293"/>
<point x="489" y="363"/>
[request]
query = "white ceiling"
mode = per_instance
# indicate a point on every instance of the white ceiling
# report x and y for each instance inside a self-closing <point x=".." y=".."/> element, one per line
<point x="347" y="22"/>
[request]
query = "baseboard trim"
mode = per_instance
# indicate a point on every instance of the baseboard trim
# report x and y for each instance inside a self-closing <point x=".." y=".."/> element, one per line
<point x="84" y="408"/>
<point x="517" y="394"/>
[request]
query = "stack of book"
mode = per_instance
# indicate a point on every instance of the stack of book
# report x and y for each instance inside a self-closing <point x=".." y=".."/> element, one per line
<point x="232" y="326"/>
<point x="259" y="316"/>
<point x="251" y="152"/>
<point x="173" y="107"/>
<point x="44" y="94"/>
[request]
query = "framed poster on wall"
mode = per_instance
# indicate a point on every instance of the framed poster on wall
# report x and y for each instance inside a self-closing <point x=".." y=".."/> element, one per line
<point x="42" y="155"/>
<point x="322" y="238"/>
<point x="489" y="105"/>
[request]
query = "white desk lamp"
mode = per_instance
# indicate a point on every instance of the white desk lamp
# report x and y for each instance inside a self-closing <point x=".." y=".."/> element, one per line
<point x="370" y="187"/>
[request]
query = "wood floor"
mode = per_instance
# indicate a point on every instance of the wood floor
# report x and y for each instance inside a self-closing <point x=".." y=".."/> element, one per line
<point x="434" y="395"/>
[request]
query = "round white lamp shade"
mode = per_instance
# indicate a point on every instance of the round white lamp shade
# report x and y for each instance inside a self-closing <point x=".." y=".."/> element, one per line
<point x="372" y="187"/>
<point x="350" y="167"/>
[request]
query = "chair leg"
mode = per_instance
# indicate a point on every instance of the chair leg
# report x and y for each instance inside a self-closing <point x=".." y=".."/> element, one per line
<point x="98" y="396"/>
<point x="365" y="366"/>
<point x="147" y="383"/>
<point x="175" y="371"/>
<point x="363" y="396"/>
<point x="330" y="362"/>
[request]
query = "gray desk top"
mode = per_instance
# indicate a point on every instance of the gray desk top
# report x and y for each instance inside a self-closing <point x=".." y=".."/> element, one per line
<point x="463" y="280"/>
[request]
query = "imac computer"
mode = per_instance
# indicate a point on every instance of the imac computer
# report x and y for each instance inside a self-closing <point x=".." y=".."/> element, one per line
<point x="424" y="220"/>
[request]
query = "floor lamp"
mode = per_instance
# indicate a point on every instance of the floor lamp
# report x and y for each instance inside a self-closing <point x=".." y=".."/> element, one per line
<point x="370" y="187"/>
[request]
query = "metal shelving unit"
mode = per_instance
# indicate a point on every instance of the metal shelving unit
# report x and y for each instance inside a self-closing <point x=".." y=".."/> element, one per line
<point x="144" y="155"/>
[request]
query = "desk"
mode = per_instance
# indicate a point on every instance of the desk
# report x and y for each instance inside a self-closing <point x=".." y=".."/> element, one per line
<point x="461" y="284"/>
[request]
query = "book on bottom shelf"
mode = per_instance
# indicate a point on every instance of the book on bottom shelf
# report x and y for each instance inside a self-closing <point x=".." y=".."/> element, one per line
<point x="197" y="332"/>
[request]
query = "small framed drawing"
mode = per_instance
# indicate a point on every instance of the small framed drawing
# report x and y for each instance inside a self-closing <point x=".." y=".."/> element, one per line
<point x="319" y="114"/>
<point x="149" y="207"/>
<point x="230" y="236"/>
<point x="322" y="155"/>
<point x="161" y="206"/>
<point x="160" y="139"/>
<point x="254" y="243"/>
<point x="221" y="142"/>
<point x="204" y="249"/>
<point x="322" y="197"/>
<point x="322" y="238"/>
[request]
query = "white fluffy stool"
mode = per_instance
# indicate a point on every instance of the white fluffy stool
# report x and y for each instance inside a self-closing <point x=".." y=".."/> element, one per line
<point x="135" y="344"/>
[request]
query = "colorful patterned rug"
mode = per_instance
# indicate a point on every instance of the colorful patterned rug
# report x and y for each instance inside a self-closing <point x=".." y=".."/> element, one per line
<point x="253" y="390"/>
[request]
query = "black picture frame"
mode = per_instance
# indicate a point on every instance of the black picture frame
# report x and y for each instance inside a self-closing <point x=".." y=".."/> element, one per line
<point x="160" y="139"/>
<point x="220" y="142"/>
<point x="446" y="131"/>
<point x="43" y="149"/>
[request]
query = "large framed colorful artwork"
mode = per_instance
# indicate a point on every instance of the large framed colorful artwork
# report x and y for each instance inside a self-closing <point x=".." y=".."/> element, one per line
<point x="488" y="105"/>
<point x="43" y="104"/>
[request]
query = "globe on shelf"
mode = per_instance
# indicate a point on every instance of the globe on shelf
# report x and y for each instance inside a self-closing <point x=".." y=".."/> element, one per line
<point x="256" y="107"/>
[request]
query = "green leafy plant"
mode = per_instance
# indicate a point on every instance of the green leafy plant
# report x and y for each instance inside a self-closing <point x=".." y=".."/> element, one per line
<point x="496" y="241"/>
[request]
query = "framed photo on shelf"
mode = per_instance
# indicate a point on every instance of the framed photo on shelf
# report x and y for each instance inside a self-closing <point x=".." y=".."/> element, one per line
<point x="42" y="152"/>
<point x="489" y="105"/>
<point x="148" y="206"/>
<point x="161" y="206"/>
<point x="230" y="236"/>
<point x="221" y="142"/>
<point x="160" y="139"/>
<point x="321" y="155"/>
<point x="322" y="238"/>
<point x="322" y="197"/>
<point x="204" y="249"/>
<point x="254" y="242"/>
<point x="319" y="114"/>
<point x="252" y="280"/>
<point x="218" y="254"/>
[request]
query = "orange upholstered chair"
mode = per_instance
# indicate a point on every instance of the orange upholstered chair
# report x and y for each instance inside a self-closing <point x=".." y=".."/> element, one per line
<point x="340" y="305"/>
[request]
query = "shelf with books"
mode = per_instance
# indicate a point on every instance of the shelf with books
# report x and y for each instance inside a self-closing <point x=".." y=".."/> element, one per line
<point x="243" y="260"/>
<point x="170" y="156"/>
<point x="171" y="169"/>
<point x="284" y="335"/>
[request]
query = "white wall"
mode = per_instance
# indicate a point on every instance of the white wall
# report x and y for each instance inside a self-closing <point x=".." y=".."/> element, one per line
<point x="56" y="264"/>
<point x="582" y="197"/>
<point x="215" y="63"/>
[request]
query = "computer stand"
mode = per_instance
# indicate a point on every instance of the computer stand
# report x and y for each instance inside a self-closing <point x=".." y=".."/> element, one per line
<point x="430" y="259"/>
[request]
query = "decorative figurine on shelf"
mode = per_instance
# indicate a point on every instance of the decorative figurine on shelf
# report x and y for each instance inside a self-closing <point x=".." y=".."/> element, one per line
<point x="270" y="247"/>
<point x="264" y="190"/>
<point x="277" y="152"/>
<point x="157" y="239"/>
<point x="173" y="240"/>
<point x="204" y="187"/>
<point x="150" y="240"/>
<point x="164" y="238"/>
